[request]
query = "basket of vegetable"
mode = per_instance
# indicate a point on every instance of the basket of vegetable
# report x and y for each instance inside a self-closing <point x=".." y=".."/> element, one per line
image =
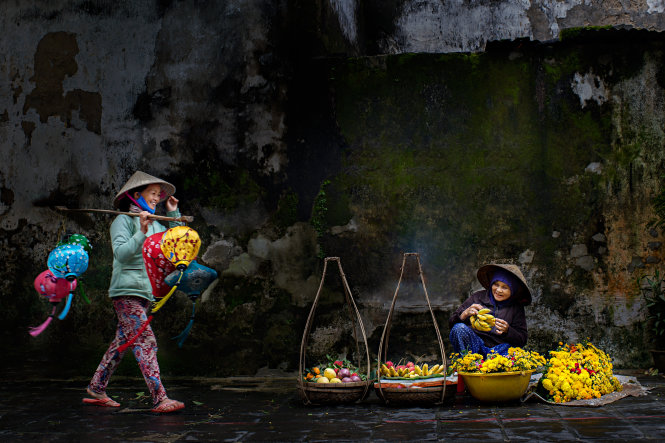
<point x="411" y="383"/>
<point x="336" y="381"/>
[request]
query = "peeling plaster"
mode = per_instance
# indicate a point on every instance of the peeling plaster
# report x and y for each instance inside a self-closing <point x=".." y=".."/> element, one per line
<point x="656" y="6"/>
<point x="433" y="26"/>
<point x="589" y="87"/>
<point x="555" y="10"/>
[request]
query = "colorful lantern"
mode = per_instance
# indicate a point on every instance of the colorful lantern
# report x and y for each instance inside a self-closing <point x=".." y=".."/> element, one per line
<point x="194" y="281"/>
<point x="156" y="265"/>
<point x="180" y="245"/>
<point x="65" y="263"/>
<point x="68" y="261"/>
<point x="54" y="289"/>
<point x="78" y="239"/>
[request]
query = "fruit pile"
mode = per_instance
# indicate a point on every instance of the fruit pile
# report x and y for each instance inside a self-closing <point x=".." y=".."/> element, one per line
<point x="410" y="370"/>
<point x="337" y="371"/>
<point x="483" y="321"/>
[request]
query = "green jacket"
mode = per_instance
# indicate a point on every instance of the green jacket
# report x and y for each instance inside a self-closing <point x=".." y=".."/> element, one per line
<point x="129" y="275"/>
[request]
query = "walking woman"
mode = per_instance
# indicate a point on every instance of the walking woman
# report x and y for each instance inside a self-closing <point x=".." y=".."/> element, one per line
<point x="130" y="289"/>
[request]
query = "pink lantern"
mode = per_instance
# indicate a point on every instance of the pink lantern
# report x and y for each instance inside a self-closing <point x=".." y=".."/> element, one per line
<point x="54" y="289"/>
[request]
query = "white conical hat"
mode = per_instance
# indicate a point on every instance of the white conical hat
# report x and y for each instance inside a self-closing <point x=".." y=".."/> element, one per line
<point x="140" y="178"/>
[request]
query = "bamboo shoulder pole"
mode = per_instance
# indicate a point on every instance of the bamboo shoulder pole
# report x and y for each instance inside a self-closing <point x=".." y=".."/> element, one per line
<point x="182" y="218"/>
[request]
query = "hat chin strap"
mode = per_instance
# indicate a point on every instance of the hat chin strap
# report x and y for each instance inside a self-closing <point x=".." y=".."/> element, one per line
<point x="141" y="203"/>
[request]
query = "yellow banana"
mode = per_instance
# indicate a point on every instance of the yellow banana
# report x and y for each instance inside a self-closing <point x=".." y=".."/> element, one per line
<point x="425" y="369"/>
<point x="434" y="369"/>
<point x="384" y="370"/>
<point x="418" y="370"/>
<point x="440" y="369"/>
<point x="483" y="311"/>
<point x="393" y="372"/>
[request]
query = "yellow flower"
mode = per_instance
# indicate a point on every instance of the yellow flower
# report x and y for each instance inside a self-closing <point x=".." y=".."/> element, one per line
<point x="578" y="371"/>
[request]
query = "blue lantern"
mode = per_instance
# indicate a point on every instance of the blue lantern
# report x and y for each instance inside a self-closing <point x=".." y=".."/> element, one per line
<point x="195" y="279"/>
<point x="68" y="261"/>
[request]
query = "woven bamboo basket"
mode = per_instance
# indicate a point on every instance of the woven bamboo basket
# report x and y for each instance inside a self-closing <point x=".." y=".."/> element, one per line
<point x="420" y="396"/>
<point x="333" y="393"/>
<point x="406" y="396"/>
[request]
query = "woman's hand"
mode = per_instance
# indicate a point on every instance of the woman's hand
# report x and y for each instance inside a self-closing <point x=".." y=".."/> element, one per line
<point x="144" y="221"/>
<point x="171" y="204"/>
<point x="471" y="310"/>
<point x="501" y="326"/>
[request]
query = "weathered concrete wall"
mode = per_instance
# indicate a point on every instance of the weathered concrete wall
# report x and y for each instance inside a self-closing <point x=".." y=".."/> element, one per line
<point x="402" y="26"/>
<point x="286" y="150"/>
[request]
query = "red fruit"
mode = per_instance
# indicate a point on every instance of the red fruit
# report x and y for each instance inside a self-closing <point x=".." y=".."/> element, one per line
<point x="401" y="367"/>
<point x="410" y="364"/>
<point x="339" y="363"/>
<point x="389" y="364"/>
<point x="355" y="373"/>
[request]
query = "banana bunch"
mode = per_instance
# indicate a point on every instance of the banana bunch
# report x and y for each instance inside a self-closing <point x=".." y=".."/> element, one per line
<point x="410" y="370"/>
<point x="483" y="321"/>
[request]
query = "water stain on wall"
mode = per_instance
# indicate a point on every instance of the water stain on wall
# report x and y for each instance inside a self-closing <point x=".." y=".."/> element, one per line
<point x="54" y="61"/>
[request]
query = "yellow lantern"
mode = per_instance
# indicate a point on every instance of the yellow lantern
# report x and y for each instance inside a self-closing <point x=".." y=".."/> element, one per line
<point x="180" y="245"/>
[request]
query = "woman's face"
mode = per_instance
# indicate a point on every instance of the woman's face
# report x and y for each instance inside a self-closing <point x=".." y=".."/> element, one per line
<point x="151" y="195"/>
<point x="501" y="291"/>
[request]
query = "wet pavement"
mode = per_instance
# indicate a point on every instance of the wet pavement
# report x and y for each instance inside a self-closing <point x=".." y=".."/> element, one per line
<point x="244" y="409"/>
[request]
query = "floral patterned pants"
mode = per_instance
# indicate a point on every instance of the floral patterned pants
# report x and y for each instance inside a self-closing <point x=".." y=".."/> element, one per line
<point x="132" y="313"/>
<point x="462" y="337"/>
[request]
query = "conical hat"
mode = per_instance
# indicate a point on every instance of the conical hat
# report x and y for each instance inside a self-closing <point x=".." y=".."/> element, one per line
<point x="486" y="272"/>
<point x="139" y="179"/>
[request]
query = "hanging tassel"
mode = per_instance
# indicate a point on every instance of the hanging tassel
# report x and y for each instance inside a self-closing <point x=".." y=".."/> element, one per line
<point x="159" y="305"/>
<point x="36" y="330"/>
<point x="85" y="298"/>
<point x="123" y="348"/>
<point x="185" y="332"/>
<point x="65" y="311"/>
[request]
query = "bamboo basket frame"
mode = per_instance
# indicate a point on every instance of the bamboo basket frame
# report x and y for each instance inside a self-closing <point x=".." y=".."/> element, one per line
<point x="312" y="393"/>
<point x="395" y="395"/>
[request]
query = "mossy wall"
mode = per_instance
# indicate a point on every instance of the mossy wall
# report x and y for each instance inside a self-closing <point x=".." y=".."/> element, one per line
<point x="544" y="155"/>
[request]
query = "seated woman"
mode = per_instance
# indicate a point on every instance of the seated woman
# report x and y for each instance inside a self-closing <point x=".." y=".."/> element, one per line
<point x="506" y="294"/>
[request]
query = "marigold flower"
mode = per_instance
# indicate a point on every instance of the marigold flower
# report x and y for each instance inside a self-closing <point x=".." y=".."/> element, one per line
<point x="578" y="371"/>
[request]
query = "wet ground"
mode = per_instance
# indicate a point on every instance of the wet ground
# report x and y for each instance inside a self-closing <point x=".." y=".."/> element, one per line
<point x="240" y="409"/>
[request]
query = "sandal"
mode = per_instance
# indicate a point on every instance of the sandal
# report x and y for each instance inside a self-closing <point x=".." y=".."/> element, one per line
<point x="100" y="400"/>
<point x="108" y="402"/>
<point x="168" y="405"/>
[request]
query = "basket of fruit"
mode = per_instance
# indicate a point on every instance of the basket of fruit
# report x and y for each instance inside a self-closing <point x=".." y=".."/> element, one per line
<point x="333" y="382"/>
<point x="336" y="381"/>
<point x="411" y="383"/>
